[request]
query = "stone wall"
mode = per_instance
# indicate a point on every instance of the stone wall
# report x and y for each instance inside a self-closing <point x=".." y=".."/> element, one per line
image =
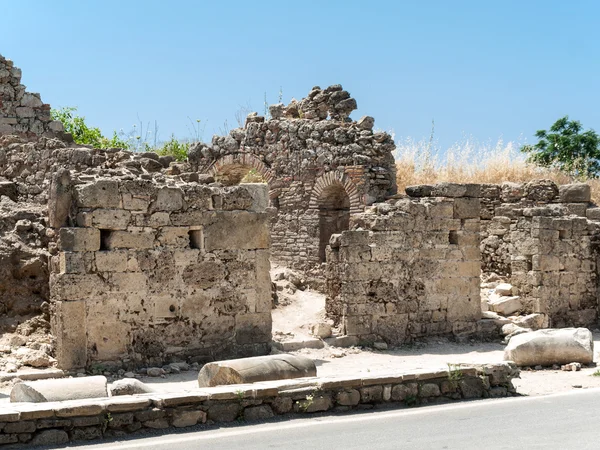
<point x="57" y="423"/>
<point x="150" y="273"/>
<point x="539" y="237"/>
<point x="410" y="269"/>
<point x="315" y="159"/>
<point x="22" y="112"/>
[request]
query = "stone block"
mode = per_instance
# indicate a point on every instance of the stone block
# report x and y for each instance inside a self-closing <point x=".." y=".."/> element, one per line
<point x="371" y="394"/>
<point x="168" y="199"/>
<point x="100" y="194"/>
<point x="50" y="437"/>
<point x="68" y="326"/>
<point x="111" y="219"/>
<point x="260" y="412"/>
<point x="401" y="392"/>
<point x="132" y="238"/>
<point x="79" y="239"/>
<point x="66" y="286"/>
<point x="429" y="390"/>
<point x="575" y="193"/>
<point x="237" y="230"/>
<point x="183" y="419"/>
<point x="174" y="236"/>
<point x="506" y="305"/>
<point x="349" y="397"/>
<point x="260" y="195"/>
<point x="111" y="261"/>
<point x="75" y="262"/>
<point x="467" y="208"/>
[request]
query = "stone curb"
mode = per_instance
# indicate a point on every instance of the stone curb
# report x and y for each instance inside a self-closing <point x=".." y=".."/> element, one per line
<point x="60" y="422"/>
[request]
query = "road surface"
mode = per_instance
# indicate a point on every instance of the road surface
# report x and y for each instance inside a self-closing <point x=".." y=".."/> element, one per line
<point x="563" y="421"/>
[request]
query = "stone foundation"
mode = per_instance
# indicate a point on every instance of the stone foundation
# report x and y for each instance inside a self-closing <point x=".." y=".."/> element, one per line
<point x="62" y="422"/>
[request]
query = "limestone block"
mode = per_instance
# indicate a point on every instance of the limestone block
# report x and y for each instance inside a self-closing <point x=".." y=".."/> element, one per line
<point x="66" y="286"/>
<point x="80" y="239"/>
<point x="456" y="190"/>
<point x="132" y="238"/>
<point x="504" y="289"/>
<point x="575" y="193"/>
<point x="253" y="328"/>
<point x="111" y="219"/>
<point x="135" y="203"/>
<point x="174" y="236"/>
<point x="467" y="208"/>
<point x="349" y="397"/>
<point x="59" y="389"/>
<point x="168" y="198"/>
<point x="545" y="263"/>
<point x="111" y="261"/>
<point x="75" y="262"/>
<point x="533" y="321"/>
<point x="60" y="198"/>
<point x="260" y="195"/>
<point x="260" y="368"/>
<point x="68" y="326"/>
<point x="506" y="305"/>
<point x="100" y="194"/>
<point x="551" y="346"/>
<point x="183" y="419"/>
<point x="237" y="230"/>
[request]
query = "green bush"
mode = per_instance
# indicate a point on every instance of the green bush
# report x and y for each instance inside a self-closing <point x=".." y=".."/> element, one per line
<point x="568" y="149"/>
<point x="84" y="134"/>
<point x="175" y="148"/>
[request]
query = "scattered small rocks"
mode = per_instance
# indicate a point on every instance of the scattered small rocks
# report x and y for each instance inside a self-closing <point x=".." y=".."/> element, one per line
<point x="571" y="367"/>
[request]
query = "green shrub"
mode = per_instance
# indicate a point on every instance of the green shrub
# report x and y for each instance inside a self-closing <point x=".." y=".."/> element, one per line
<point x="173" y="147"/>
<point x="84" y="134"/>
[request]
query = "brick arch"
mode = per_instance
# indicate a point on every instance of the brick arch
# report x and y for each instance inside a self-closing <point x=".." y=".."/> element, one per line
<point x="245" y="159"/>
<point x="336" y="178"/>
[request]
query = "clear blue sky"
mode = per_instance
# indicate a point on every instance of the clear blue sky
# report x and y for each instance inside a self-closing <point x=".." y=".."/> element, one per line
<point x="487" y="69"/>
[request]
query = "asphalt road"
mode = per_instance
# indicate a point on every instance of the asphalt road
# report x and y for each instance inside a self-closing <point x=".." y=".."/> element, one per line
<point x="562" y="421"/>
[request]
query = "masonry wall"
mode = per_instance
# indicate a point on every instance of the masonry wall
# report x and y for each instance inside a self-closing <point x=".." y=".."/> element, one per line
<point x="22" y="112"/>
<point x="150" y="273"/>
<point x="411" y="270"/>
<point x="541" y="238"/>
<point x="303" y="149"/>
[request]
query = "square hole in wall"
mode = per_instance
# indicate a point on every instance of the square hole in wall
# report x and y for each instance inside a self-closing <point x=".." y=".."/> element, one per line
<point x="105" y="236"/>
<point x="563" y="234"/>
<point x="453" y="237"/>
<point x="195" y="239"/>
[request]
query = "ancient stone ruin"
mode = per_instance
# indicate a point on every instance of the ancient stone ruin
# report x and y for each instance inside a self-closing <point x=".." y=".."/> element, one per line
<point x="320" y="166"/>
<point x="130" y="259"/>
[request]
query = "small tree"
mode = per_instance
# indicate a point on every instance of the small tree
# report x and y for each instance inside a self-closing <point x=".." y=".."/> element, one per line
<point x="568" y="149"/>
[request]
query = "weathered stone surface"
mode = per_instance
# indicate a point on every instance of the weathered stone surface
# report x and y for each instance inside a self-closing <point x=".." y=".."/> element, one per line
<point x="574" y="193"/>
<point x="260" y="412"/>
<point x="506" y="305"/>
<point x="350" y="397"/>
<point x="551" y="346"/>
<point x="59" y="389"/>
<point x="129" y="386"/>
<point x="223" y="412"/>
<point x="50" y="437"/>
<point x="260" y="368"/>
<point x="183" y="419"/>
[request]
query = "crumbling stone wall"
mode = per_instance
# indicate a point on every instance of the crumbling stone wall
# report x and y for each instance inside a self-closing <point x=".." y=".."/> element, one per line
<point x="308" y="152"/>
<point x="410" y="269"/>
<point x="541" y="238"/>
<point x="22" y="112"/>
<point x="150" y="273"/>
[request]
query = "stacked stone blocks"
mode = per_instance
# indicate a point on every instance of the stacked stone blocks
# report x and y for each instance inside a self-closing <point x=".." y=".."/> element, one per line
<point x="152" y="274"/>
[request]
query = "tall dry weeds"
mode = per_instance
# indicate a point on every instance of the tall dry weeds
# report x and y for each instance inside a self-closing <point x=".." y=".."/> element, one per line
<point x="423" y="162"/>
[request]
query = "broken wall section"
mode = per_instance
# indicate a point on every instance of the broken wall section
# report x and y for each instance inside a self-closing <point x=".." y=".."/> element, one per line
<point x="540" y="238"/>
<point x="410" y="269"/>
<point x="157" y="273"/>
<point x="23" y="112"/>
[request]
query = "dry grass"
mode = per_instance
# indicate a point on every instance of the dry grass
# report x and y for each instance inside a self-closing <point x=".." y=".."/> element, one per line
<point x="423" y="162"/>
